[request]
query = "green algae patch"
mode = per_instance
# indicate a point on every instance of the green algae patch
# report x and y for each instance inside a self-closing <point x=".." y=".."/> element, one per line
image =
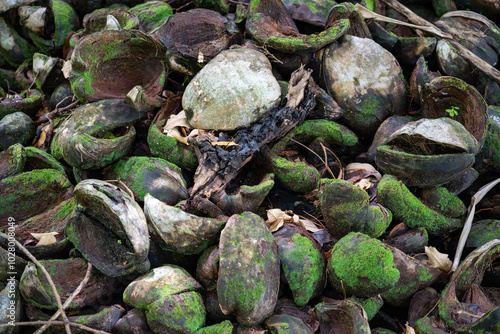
<point x="108" y="64"/>
<point x="249" y="269"/>
<point x="326" y="131"/>
<point x="225" y="327"/>
<point x="65" y="20"/>
<point x="443" y="201"/>
<point x="20" y="194"/>
<point x="483" y="231"/>
<point x="371" y="305"/>
<point x="38" y="159"/>
<point x="151" y="14"/>
<point x="12" y="160"/>
<point x="155" y="176"/>
<point x="363" y="266"/>
<point x="283" y="324"/>
<point x="406" y="207"/>
<point x="168" y="148"/>
<point x="295" y="176"/>
<point x="346" y="208"/>
<point x="183" y="312"/>
<point x="302" y="262"/>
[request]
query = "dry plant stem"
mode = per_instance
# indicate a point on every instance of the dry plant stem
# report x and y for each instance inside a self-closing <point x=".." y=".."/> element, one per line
<point x="41" y="322"/>
<point x="341" y="172"/>
<point x="54" y="113"/>
<point x="121" y="184"/>
<point x="69" y="300"/>
<point x="47" y="276"/>
<point x="468" y="221"/>
<point x="323" y="161"/>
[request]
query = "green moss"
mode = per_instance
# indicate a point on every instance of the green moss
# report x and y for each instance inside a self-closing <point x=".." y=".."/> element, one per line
<point x="346" y="208"/>
<point x="168" y="148"/>
<point x="371" y="305"/>
<point x="66" y="21"/>
<point x="395" y="196"/>
<point x="363" y="264"/>
<point x="184" y="312"/>
<point x="443" y="201"/>
<point x="225" y="327"/>
<point x="66" y="208"/>
<point x="326" y="131"/>
<point x="303" y="268"/>
<point x="295" y="176"/>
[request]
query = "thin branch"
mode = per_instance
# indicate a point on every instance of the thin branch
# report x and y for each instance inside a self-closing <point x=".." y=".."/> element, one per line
<point x="57" y="322"/>
<point x="316" y="154"/>
<point x="341" y="172"/>
<point x="125" y="187"/>
<point x="69" y="300"/>
<point x="47" y="276"/>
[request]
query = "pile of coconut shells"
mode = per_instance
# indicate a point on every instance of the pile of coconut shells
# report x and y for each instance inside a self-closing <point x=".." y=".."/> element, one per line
<point x="251" y="166"/>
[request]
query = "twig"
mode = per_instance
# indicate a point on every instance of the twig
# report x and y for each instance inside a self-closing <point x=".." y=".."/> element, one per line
<point x="341" y="173"/>
<point x="432" y="309"/>
<point x="69" y="300"/>
<point x="125" y="187"/>
<point x="54" y="113"/>
<point x="47" y="276"/>
<point x="57" y="322"/>
<point x="316" y="154"/>
<point x="478" y="196"/>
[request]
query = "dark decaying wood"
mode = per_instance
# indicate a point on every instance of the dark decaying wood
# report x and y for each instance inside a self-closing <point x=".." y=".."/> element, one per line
<point x="219" y="165"/>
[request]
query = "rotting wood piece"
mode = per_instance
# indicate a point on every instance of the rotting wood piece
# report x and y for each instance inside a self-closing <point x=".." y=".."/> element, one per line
<point x="219" y="165"/>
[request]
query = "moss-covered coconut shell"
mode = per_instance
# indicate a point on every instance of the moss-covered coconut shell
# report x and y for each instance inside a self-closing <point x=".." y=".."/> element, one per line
<point x="249" y="269"/>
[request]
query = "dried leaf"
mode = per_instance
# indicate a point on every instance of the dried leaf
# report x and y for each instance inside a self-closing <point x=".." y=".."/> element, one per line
<point x="224" y="143"/>
<point x="372" y="175"/>
<point x="438" y="260"/>
<point x="307" y="224"/>
<point x="177" y="120"/>
<point x="45" y="239"/>
<point x="409" y="329"/>
<point x="66" y="69"/>
<point x="396" y="230"/>
<point x="41" y="140"/>
<point x="276" y="218"/>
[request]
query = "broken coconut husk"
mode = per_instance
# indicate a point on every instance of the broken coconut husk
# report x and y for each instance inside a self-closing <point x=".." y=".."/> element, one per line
<point x="96" y="134"/>
<point x="109" y="229"/>
<point x="249" y="268"/>
<point x="47" y="72"/>
<point x="198" y="34"/>
<point x="103" y="319"/>
<point x="12" y="161"/>
<point x="151" y="14"/>
<point x="168" y="147"/>
<point x="342" y="316"/>
<point x="452" y="97"/>
<point x="67" y="275"/>
<point x="385" y="131"/>
<point x="154" y="176"/>
<point x="20" y="194"/>
<point x="489" y="156"/>
<point x="357" y="25"/>
<point x="108" y="64"/>
<point x="407" y="208"/>
<point x="463" y="306"/>
<point x="286" y="323"/>
<point x="247" y="197"/>
<point x="302" y="261"/>
<point x="314" y="12"/>
<point x="180" y="231"/>
<point x="270" y="24"/>
<point x="347" y="208"/>
<point x="52" y="221"/>
<point x="15" y="128"/>
<point x="407" y="49"/>
<point x="361" y="266"/>
<point x="366" y="81"/>
<point x="170" y="299"/>
<point x="247" y="93"/>
<point x="428" y="152"/>
<point x="97" y="21"/>
<point x="13" y="47"/>
<point x="474" y="32"/>
<point x="29" y="105"/>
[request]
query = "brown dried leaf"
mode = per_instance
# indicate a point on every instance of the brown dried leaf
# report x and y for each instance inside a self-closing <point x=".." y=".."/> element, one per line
<point x="307" y="224"/>
<point x="438" y="260"/>
<point x="41" y="140"/>
<point x="276" y="218"/>
<point x="45" y="239"/>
